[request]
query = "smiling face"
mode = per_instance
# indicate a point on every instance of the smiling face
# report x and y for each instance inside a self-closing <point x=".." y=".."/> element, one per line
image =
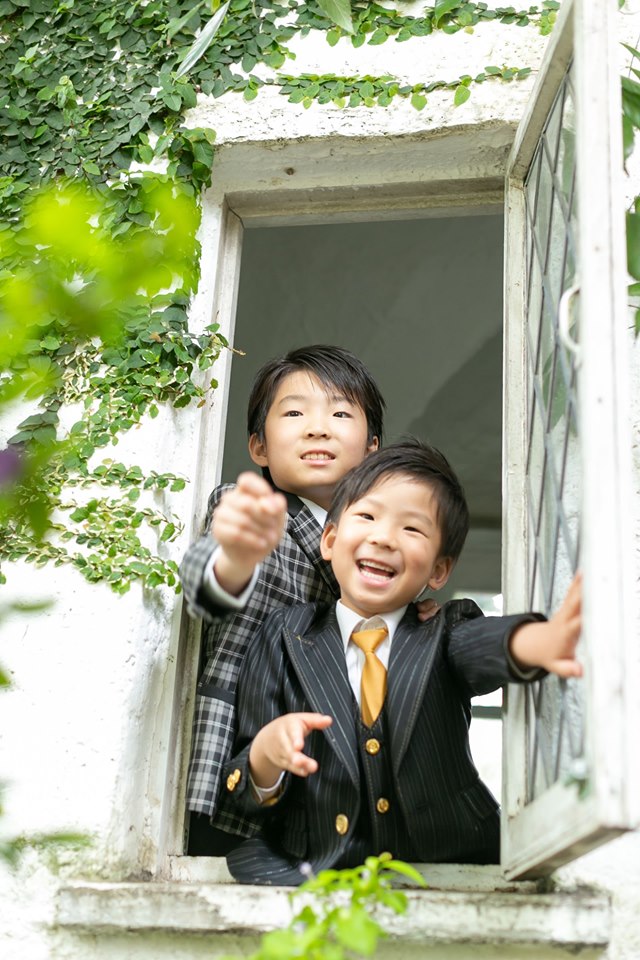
<point x="385" y="547"/>
<point x="311" y="438"/>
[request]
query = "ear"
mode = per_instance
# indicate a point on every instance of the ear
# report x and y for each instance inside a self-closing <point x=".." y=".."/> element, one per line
<point x="258" y="450"/>
<point x="374" y="445"/>
<point x="440" y="573"/>
<point x="327" y="540"/>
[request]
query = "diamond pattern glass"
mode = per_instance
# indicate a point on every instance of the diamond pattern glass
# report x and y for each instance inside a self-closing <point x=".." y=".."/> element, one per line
<point x="554" y="707"/>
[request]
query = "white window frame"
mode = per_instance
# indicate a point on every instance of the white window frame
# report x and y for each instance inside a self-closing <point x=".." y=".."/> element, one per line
<point x="567" y="820"/>
<point x="389" y="180"/>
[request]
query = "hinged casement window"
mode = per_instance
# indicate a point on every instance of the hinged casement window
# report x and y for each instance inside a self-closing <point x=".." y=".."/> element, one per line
<point x="570" y="764"/>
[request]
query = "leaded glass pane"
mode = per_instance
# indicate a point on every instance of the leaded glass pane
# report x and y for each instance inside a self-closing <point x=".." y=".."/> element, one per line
<point x="554" y="707"/>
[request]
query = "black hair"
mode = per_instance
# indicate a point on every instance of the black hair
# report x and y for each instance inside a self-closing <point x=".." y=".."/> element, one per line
<point x="334" y="367"/>
<point x="417" y="461"/>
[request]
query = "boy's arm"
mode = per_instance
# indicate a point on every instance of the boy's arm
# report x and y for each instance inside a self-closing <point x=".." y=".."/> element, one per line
<point x="247" y="525"/>
<point x="204" y="594"/>
<point x="488" y="652"/>
<point x="552" y="645"/>
<point x="259" y="701"/>
<point x="278" y="747"/>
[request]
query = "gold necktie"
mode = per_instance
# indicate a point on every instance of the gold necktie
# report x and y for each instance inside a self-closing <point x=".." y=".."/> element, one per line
<point x="374" y="674"/>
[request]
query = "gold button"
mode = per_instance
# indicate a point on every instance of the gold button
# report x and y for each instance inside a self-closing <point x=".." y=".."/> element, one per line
<point x="372" y="746"/>
<point x="342" y="824"/>
<point x="233" y="780"/>
<point x="382" y="805"/>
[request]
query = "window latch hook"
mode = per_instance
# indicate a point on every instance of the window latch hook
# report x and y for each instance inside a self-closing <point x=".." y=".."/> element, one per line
<point x="564" y="319"/>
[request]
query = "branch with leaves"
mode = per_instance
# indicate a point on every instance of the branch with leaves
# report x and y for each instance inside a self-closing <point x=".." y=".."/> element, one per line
<point x="341" y="917"/>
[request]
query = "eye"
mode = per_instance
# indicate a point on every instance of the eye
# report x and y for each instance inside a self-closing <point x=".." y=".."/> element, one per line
<point x="415" y="530"/>
<point x="293" y="413"/>
<point x="343" y="414"/>
<point x="365" y="516"/>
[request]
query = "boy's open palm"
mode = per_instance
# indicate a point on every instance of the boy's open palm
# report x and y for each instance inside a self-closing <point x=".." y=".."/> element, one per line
<point x="279" y="746"/>
<point x="552" y="645"/>
<point x="248" y="524"/>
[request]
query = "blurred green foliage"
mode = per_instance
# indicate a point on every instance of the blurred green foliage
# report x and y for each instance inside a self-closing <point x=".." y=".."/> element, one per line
<point x="98" y="320"/>
<point x="342" y="918"/>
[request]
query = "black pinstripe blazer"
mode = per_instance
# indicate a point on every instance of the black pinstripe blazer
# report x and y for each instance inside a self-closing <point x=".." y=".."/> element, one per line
<point x="293" y="573"/>
<point x="297" y="663"/>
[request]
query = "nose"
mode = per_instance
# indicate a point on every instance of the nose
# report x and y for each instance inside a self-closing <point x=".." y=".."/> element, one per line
<point x="318" y="426"/>
<point x="382" y="534"/>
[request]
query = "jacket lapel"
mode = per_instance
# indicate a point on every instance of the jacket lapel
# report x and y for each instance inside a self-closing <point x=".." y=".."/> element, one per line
<point x="320" y="665"/>
<point x="412" y="654"/>
<point x="305" y="531"/>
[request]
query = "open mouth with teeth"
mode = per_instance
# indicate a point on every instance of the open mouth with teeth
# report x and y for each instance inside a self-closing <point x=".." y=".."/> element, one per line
<point x="317" y="455"/>
<point x="376" y="572"/>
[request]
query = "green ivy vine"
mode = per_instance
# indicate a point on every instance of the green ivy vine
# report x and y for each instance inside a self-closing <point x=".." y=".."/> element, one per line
<point x="95" y="94"/>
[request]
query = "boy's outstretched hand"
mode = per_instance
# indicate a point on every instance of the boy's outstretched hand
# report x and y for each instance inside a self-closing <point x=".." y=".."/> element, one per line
<point x="247" y="523"/>
<point x="552" y="645"/>
<point x="278" y="746"/>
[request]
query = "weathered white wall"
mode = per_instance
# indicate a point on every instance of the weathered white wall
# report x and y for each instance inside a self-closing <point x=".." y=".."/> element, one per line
<point x="87" y="723"/>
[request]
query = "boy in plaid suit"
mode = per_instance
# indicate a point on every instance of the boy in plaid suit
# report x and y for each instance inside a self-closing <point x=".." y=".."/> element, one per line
<point x="312" y="415"/>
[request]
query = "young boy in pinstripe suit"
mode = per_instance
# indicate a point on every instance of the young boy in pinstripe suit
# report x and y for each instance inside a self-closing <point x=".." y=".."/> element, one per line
<point x="353" y="716"/>
<point x="312" y="415"/>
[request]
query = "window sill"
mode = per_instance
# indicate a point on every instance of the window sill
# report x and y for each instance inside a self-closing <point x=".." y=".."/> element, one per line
<point x="470" y="911"/>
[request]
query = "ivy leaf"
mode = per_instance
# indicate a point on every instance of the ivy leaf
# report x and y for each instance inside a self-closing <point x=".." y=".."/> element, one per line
<point x="633" y="244"/>
<point x="173" y="101"/>
<point x="379" y="36"/>
<point x="461" y="96"/>
<point x="631" y="100"/>
<point x="442" y="8"/>
<point x="418" y="101"/>
<point x="632" y="50"/>
<point x="339" y="12"/>
<point x="203" y="41"/>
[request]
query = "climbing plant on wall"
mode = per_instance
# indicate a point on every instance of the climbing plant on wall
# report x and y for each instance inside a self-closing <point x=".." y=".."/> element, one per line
<point x="96" y="94"/>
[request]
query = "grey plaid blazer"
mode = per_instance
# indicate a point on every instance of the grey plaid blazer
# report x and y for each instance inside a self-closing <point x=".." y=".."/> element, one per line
<point x="293" y="573"/>
<point x="297" y="663"/>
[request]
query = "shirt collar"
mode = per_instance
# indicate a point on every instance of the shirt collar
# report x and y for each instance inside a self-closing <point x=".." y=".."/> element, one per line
<point x="349" y="620"/>
<point x="319" y="513"/>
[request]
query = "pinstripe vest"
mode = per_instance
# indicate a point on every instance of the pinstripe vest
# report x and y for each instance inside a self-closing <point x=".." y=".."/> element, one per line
<point x="380" y="826"/>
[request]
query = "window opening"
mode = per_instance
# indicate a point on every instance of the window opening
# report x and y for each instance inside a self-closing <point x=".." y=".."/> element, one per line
<point x="390" y="291"/>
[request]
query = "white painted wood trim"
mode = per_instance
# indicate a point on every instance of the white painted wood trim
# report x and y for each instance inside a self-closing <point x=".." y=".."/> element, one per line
<point x="409" y="176"/>
<point x="554" y="829"/>
<point x="607" y="550"/>
<point x="222" y="258"/>
<point x="514" y="518"/>
<point x="554" y="65"/>
<point x="561" y="824"/>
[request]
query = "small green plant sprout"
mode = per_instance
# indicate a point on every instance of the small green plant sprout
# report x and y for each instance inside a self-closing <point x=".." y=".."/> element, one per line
<point x="340" y="918"/>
